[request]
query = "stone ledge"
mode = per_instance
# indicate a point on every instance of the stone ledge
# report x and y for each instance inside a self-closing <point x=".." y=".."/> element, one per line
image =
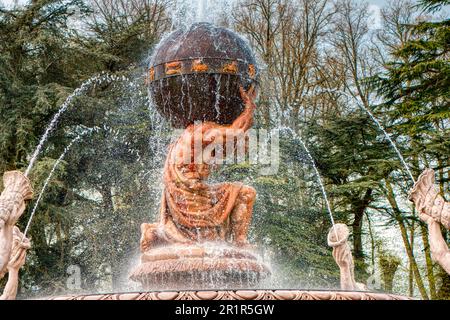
<point x="238" y="295"/>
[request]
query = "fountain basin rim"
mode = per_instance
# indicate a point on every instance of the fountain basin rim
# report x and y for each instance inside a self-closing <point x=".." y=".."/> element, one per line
<point x="241" y="294"/>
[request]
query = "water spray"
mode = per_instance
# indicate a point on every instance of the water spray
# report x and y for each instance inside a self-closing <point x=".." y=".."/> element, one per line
<point x="319" y="179"/>
<point x="58" y="161"/>
<point x="85" y="86"/>
<point x="371" y="115"/>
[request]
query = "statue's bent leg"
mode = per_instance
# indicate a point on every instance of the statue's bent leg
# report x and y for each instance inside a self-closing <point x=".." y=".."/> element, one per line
<point x="241" y="216"/>
<point x="149" y="236"/>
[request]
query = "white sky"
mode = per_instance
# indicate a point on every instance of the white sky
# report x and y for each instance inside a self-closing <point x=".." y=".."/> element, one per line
<point x="11" y="2"/>
<point x="374" y="8"/>
<point x="8" y="3"/>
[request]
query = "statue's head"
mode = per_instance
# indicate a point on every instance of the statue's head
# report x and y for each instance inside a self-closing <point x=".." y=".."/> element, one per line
<point x="338" y="235"/>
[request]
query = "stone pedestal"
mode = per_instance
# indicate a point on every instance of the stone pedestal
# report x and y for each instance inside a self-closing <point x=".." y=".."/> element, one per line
<point x="199" y="266"/>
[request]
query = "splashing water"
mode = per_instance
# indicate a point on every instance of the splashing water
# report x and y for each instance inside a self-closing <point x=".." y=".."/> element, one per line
<point x="187" y="12"/>
<point x="218" y="96"/>
<point x="201" y="7"/>
<point x="380" y="126"/>
<point x="58" y="161"/>
<point x="319" y="179"/>
<point x="98" y="79"/>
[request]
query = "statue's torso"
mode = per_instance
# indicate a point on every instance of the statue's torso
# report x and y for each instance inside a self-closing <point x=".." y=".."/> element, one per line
<point x="196" y="207"/>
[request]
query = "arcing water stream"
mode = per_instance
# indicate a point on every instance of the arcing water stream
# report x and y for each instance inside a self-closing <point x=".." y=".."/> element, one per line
<point x="380" y="126"/>
<point x="52" y="171"/>
<point x="98" y="79"/>
<point x="316" y="171"/>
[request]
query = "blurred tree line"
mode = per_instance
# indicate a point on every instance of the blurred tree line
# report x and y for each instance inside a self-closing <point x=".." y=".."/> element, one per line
<point x="323" y="62"/>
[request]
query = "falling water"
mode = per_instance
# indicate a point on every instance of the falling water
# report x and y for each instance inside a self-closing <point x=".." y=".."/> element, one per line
<point x="319" y="179"/>
<point x="399" y="154"/>
<point x="98" y="79"/>
<point x="391" y="142"/>
<point x="217" y="77"/>
<point x="201" y="8"/>
<point x="58" y="161"/>
<point x="187" y="12"/>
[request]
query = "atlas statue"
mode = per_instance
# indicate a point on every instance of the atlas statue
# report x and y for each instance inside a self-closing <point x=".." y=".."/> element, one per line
<point x="191" y="209"/>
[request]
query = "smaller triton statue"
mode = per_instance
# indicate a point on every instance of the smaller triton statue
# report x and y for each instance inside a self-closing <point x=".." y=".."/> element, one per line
<point x="19" y="249"/>
<point x="337" y="239"/>
<point x="434" y="211"/>
<point x="12" y="205"/>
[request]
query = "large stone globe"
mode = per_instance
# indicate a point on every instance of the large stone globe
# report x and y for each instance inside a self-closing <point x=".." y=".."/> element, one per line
<point x="195" y="75"/>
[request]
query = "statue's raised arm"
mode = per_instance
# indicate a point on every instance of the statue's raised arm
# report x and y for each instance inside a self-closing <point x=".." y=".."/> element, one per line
<point x="245" y="120"/>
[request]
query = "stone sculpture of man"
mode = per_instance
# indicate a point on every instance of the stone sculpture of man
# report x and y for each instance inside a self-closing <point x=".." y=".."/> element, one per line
<point x="434" y="211"/>
<point x="19" y="249"/>
<point x="191" y="209"/>
<point x="12" y="205"/>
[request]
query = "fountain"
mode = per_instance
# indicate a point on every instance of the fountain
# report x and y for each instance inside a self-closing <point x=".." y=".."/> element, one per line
<point x="82" y="89"/>
<point x="203" y="79"/>
<point x="202" y="231"/>
<point x="382" y="129"/>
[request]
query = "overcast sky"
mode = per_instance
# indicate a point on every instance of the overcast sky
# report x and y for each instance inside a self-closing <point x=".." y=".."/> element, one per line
<point x="10" y="2"/>
<point x="374" y="9"/>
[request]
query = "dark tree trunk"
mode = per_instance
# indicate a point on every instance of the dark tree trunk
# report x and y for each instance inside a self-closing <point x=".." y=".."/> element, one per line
<point x="389" y="265"/>
<point x="358" y="223"/>
<point x="444" y="290"/>
<point x="358" y="253"/>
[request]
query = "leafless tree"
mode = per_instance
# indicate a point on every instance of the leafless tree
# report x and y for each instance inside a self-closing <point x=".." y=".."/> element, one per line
<point x="287" y="37"/>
